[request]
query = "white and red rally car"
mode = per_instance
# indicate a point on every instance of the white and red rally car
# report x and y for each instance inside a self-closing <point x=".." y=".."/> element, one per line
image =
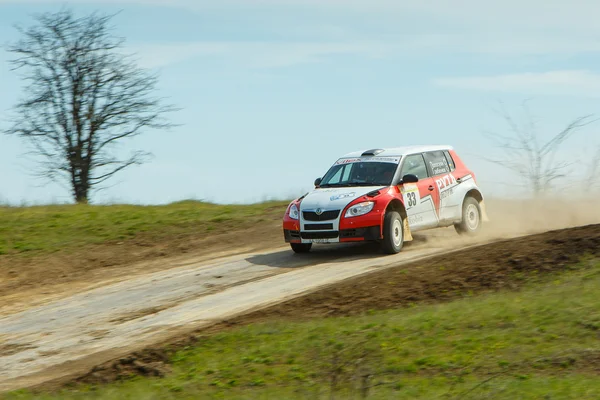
<point x="384" y="195"/>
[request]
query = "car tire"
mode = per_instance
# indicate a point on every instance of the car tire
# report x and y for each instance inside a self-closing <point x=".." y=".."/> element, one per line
<point x="471" y="218"/>
<point x="301" y="247"/>
<point x="393" y="233"/>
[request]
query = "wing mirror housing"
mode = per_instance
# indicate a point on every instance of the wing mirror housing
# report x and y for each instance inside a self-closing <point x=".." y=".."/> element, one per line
<point x="318" y="182"/>
<point x="409" y="178"/>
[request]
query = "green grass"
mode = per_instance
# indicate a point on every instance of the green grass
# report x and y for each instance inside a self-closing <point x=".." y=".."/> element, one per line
<point x="44" y="229"/>
<point x="531" y="344"/>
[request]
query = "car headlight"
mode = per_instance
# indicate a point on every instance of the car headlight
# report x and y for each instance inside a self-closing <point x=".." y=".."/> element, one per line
<point x="294" y="213"/>
<point x="360" y="209"/>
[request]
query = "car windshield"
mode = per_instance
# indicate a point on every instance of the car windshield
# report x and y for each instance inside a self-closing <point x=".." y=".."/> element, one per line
<point x="360" y="173"/>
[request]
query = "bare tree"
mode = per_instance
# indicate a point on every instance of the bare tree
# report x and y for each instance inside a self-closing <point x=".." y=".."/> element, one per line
<point x="593" y="179"/>
<point x="83" y="96"/>
<point x="533" y="155"/>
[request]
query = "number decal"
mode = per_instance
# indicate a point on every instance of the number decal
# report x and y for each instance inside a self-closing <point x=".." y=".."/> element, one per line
<point x="412" y="199"/>
<point x="411" y="195"/>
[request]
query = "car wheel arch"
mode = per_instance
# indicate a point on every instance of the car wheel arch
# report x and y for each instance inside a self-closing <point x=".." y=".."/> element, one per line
<point x="398" y="206"/>
<point x="476" y="194"/>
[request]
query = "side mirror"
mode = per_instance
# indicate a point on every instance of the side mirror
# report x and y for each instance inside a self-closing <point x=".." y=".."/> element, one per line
<point x="409" y="178"/>
<point x="318" y="181"/>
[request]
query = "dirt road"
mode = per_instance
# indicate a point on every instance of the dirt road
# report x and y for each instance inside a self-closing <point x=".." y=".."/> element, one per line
<point x="70" y="335"/>
<point x="80" y="331"/>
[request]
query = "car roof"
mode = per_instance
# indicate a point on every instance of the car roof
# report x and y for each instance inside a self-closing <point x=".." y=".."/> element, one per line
<point x="398" y="151"/>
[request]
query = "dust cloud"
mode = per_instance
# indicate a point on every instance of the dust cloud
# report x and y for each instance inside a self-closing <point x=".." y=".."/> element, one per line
<point x="512" y="218"/>
<point x="520" y="217"/>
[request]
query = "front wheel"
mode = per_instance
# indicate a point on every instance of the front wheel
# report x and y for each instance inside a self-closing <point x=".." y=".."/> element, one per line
<point x="471" y="218"/>
<point x="301" y="247"/>
<point x="393" y="233"/>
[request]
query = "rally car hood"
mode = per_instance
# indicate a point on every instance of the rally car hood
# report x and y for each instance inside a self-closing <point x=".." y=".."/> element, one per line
<point x="334" y="198"/>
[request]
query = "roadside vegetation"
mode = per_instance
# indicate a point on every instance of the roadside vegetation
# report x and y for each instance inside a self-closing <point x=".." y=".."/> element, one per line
<point x="539" y="342"/>
<point x="46" y="229"/>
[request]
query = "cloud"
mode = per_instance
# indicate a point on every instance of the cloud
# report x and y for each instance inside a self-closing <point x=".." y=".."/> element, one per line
<point x="160" y="55"/>
<point x="166" y="3"/>
<point x="262" y="54"/>
<point x="507" y="14"/>
<point x="514" y="45"/>
<point x="511" y="28"/>
<point x="265" y="54"/>
<point x="273" y="55"/>
<point x="566" y="82"/>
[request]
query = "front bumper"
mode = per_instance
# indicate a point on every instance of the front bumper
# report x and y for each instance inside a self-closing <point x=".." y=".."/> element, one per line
<point x="370" y="233"/>
<point x="355" y="229"/>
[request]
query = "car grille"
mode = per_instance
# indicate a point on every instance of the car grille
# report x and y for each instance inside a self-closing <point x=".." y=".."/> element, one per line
<point x="326" y="216"/>
<point x="319" y="235"/>
<point x="318" y="227"/>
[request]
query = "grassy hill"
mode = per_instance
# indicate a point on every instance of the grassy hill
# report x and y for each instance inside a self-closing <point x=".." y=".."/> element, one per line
<point x="47" y="229"/>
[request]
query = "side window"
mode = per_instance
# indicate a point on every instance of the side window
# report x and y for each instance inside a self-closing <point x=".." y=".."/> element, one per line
<point x="346" y="174"/>
<point x="414" y="164"/>
<point x="337" y="175"/>
<point x="450" y="160"/>
<point x="437" y="162"/>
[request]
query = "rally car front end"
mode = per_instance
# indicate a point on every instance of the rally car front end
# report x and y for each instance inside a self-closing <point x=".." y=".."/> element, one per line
<point x="359" y="219"/>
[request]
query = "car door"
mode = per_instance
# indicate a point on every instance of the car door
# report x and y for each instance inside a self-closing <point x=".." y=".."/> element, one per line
<point x="451" y="194"/>
<point x="419" y="198"/>
<point x="440" y="169"/>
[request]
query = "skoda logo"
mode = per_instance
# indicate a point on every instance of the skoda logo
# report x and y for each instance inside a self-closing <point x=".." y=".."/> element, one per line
<point x="319" y="211"/>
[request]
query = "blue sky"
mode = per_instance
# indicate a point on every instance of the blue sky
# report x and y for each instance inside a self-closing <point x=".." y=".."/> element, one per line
<point x="273" y="92"/>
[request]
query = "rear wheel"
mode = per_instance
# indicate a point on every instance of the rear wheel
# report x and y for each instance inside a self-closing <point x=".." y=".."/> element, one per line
<point x="393" y="233"/>
<point x="471" y="218"/>
<point x="301" y="247"/>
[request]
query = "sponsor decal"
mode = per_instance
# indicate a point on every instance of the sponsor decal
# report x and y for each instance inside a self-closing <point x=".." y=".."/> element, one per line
<point x="415" y="219"/>
<point x="326" y="190"/>
<point x="438" y="167"/>
<point x="369" y="159"/>
<point x="347" y="161"/>
<point x="383" y="159"/>
<point x="446" y="193"/>
<point x="342" y="196"/>
<point x="445" y="182"/>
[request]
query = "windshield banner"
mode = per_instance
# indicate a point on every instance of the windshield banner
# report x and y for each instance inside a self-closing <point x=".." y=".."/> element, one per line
<point x="394" y="160"/>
